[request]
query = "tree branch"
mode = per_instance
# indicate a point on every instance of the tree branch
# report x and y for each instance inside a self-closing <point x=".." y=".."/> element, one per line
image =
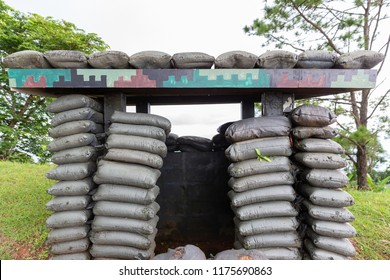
<point x="377" y="105"/>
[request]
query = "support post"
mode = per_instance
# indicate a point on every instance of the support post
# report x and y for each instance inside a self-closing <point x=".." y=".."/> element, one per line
<point x="114" y="101"/>
<point x="142" y="107"/>
<point x="247" y="109"/>
<point x="276" y="103"/>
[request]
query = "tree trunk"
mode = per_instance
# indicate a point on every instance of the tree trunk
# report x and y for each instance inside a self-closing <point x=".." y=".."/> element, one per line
<point x="361" y="167"/>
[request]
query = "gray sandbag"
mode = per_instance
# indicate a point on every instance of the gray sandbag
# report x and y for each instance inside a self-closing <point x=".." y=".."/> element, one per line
<point x="236" y="60"/>
<point x="77" y="115"/>
<point x="72" y="171"/>
<point x="138" y="143"/>
<point x="260" y="181"/>
<point x="321" y="160"/>
<point x="120" y="252"/>
<point x="332" y="214"/>
<point x="223" y="127"/>
<point x="271" y="146"/>
<point x="68" y="203"/>
<point x="316" y="59"/>
<point x="75" y="155"/>
<point x="141" y="119"/>
<point x="360" y="59"/>
<point x="73" y="101"/>
<point x="273" y="193"/>
<point x="67" y="234"/>
<point x="258" y="127"/>
<point x="75" y="127"/>
<point x="312" y="116"/>
<point x="70" y="247"/>
<point x="326" y="197"/>
<point x="320" y="254"/>
<point x="281" y="253"/>
<point x="171" y="142"/>
<point x="325" y="178"/>
<point x="265" y="210"/>
<point x="134" y="156"/>
<point x="187" y="252"/>
<point x="109" y="60"/>
<point x="340" y="246"/>
<point x="274" y="239"/>
<point x="118" y="173"/>
<point x="103" y="223"/>
<point x="26" y="59"/>
<point x="82" y="256"/>
<point x="68" y="219"/>
<point x="240" y="254"/>
<point x="315" y="145"/>
<point x="331" y="229"/>
<point x="302" y="132"/>
<point x="109" y="192"/>
<point x="192" y="60"/>
<point x="266" y="225"/>
<point x="277" y="59"/>
<point x="122" y="238"/>
<point x="73" y="141"/>
<point x="198" y="143"/>
<point x="126" y="210"/>
<point x="219" y="142"/>
<point x="71" y="188"/>
<point x="254" y="166"/>
<point x="137" y="130"/>
<point x="66" y="59"/>
<point x="150" y="60"/>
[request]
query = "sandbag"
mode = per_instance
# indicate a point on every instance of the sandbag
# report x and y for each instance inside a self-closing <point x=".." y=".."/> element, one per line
<point x="120" y="193"/>
<point x="340" y="246"/>
<point x="72" y="171"/>
<point x="325" y="178"/>
<point x="110" y="172"/>
<point x="254" y="166"/>
<point x="258" y="127"/>
<point x="82" y="256"/>
<point x="187" y="252"/>
<point x="67" y="234"/>
<point x="240" y="254"/>
<point x="70" y="247"/>
<point x="71" y="188"/>
<point x="26" y="59"/>
<point x="236" y="60"/>
<point x="122" y="238"/>
<point x="316" y="59"/>
<point x="75" y="155"/>
<point x="312" y="116"/>
<point x="192" y="60"/>
<point x="277" y="59"/>
<point x="331" y="229"/>
<point x="141" y="119"/>
<point x="320" y="254"/>
<point x="73" y="141"/>
<point x="137" y="130"/>
<point x="321" y="160"/>
<point x="315" y="145"/>
<point x="275" y="239"/>
<point x="120" y="252"/>
<point x="264" y="210"/>
<point x="77" y="115"/>
<point x="109" y="60"/>
<point x="75" y="127"/>
<point x="219" y="142"/>
<point x="68" y="219"/>
<point x="302" y="132"/>
<point x="260" y="181"/>
<point x="326" y="197"/>
<point x="126" y="210"/>
<point x="150" y="60"/>
<point x="104" y="223"/>
<point x="266" y="225"/>
<point x="281" y="253"/>
<point x="271" y="146"/>
<point x="74" y="101"/>
<point x="171" y="142"/>
<point x="66" y="59"/>
<point x="273" y="193"/>
<point x="201" y="144"/>
<point x="360" y="59"/>
<point x="68" y="203"/>
<point x="134" y="156"/>
<point x="332" y="214"/>
<point x="223" y="127"/>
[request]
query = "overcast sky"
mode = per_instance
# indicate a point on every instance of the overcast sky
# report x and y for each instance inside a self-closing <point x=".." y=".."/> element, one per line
<point x="172" y="26"/>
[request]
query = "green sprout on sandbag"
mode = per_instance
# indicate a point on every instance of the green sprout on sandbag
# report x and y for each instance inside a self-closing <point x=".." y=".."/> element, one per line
<point x="261" y="157"/>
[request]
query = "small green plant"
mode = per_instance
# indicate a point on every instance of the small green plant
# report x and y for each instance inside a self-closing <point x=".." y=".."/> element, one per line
<point x="261" y="157"/>
<point x="377" y="187"/>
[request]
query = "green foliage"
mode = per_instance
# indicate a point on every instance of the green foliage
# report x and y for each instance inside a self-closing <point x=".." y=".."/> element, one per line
<point x="261" y="157"/>
<point x="24" y="121"/>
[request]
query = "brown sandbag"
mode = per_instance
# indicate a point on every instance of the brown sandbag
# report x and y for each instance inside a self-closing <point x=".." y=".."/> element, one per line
<point x="66" y="59"/>
<point x="109" y="60"/>
<point x="236" y="60"/>
<point x="150" y="60"/>
<point x="192" y="60"/>
<point x="312" y="116"/>
<point x="26" y="59"/>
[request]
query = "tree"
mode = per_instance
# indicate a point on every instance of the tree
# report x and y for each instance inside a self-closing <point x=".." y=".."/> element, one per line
<point x="24" y="121"/>
<point x="338" y="26"/>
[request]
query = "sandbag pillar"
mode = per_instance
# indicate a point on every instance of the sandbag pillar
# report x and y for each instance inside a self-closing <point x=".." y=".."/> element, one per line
<point x="276" y="103"/>
<point x="114" y="101"/>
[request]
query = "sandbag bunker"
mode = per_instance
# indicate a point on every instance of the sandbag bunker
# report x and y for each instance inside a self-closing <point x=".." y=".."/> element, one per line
<point x="285" y="184"/>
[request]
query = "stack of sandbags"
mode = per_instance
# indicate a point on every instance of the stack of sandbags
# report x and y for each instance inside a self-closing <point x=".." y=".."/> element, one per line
<point x="125" y="212"/>
<point x="262" y="186"/>
<point x="321" y="183"/>
<point x="77" y="131"/>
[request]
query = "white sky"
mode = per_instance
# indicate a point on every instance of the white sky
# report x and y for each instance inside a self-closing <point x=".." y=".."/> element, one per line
<point x="172" y="26"/>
